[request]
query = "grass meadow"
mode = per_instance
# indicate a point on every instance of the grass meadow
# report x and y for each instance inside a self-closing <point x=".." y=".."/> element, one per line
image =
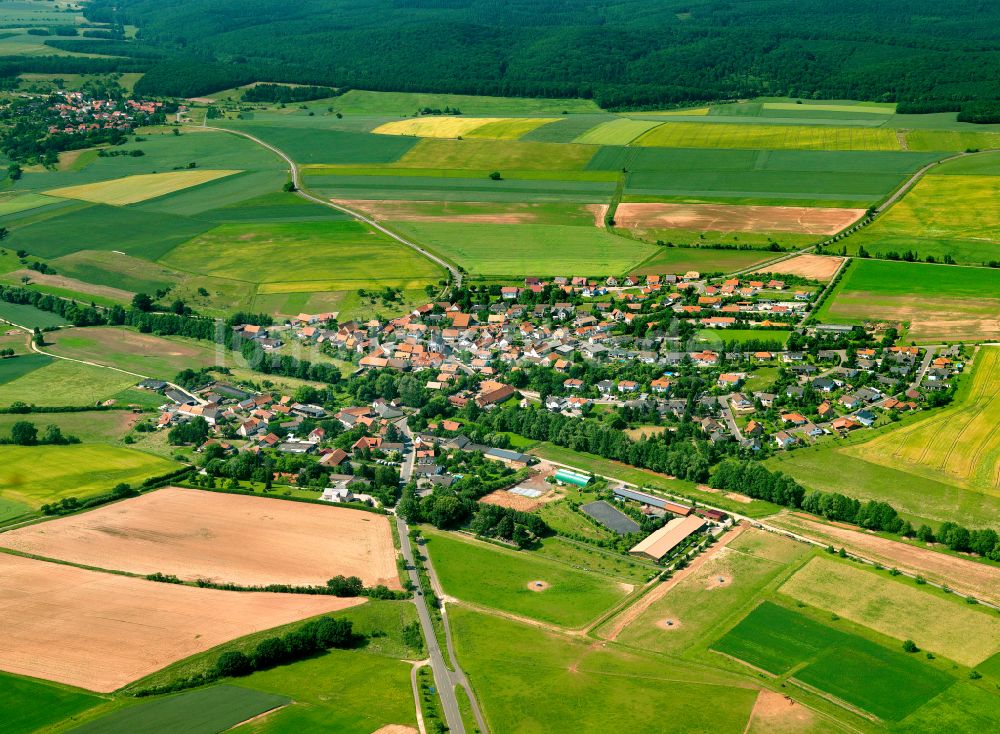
<point x="483" y="574"/>
<point x="887" y="683"/>
<point x="30" y="705"/>
<point x="360" y="102"/>
<point x="13" y="368"/>
<point x="63" y="383"/>
<point x="531" y="681"/>
<point x="528" y="249"/>
<point x="37" y="475"/>
<point x="29" y="316"/>
<point x="314" y="256"/>
<point x="938" y="302"/>
<point x="703" y="260"/>
<point x="942" y="215"/>
<point x="496" y="155"/>
<point x="941" y="623"/>
<point x="103" y="426"/>
<point x="616" y="132"/>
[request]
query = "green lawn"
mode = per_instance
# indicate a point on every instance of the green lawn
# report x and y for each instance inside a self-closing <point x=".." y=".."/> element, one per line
<point x="887" y="683"/>
<point x="742" y="336"/>
<point x="64" y="383"/>
<point x="528" y="249"/>
<point x="36" y="475"/>
<point x="29" y="705"/>
<point x="496" y="577"/>
<point x="529" y="681"/>
<point x="202" y="711"/>
<point x="314" y="256"/>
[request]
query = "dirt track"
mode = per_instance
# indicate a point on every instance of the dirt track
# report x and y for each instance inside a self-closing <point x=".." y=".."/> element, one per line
<point x="735" y="218"/>
<point x="224" y="538"/>
<point x="100" y="631"/>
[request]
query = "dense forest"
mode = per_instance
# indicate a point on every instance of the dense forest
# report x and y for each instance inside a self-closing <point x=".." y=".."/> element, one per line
<point x="622" y="53"/>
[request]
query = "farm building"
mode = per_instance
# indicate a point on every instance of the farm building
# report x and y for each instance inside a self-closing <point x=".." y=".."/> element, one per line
<point x="664" y="540"/>
<point x="653" y="501"/>
<point x="513" y="459"/>
<point x="565" y="476"/>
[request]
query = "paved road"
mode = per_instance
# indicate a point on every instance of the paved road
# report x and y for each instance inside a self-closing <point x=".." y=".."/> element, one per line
<point x="456" y="274"/>
<point x="447" y="680"/>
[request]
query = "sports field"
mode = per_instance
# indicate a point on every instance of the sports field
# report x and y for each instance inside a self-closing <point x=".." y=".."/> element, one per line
<point x="575" y="685"/>
<point x="953" y="215"/>
<point x="884" y="682"/>
<point x="940" y="303"/>
<point x="943" y="624"/>
<point x="37" y="475"/>
<point x="133" y="189"/>
<point x="494" y="577"/>
<point x="30" y="705"/>
<point x="63" y="383"/>
<point x="202" y="711"/>
<point x="768" y="137"/>
<point x="239" y="539"/>
<point x="529" y="249"/>
<point x="314" y="256"/>
<point x="59" y="627"/>
<point x="958" y="445"/>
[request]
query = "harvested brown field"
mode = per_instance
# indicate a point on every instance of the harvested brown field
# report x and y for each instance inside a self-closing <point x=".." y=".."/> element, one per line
<point x="100" y="631"/>
<point x="503" y="498"/>
<point x="816" y="267"/>
<point x="735" y="217"/>
<point x="476" y="212"/>
<point x="239" y="539"/>
<point x="931" y="319"/>
<point x="963" y="575"/>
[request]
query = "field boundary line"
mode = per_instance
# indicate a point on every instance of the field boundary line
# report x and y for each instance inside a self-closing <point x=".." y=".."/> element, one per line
<point x="454" y="271"/>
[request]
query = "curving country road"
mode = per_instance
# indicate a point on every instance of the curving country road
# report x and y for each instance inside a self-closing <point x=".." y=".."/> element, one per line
<point x="456" y="274"/>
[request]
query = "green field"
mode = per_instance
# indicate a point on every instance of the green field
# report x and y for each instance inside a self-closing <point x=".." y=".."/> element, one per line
<point x="203" y="711"/>
<point x="144" y="354"/>
<point x="64" y="383"/>
<point x="37" y="475"/>
<point x="616" y="132"/>
<point x="767" y="137"/>
<point x="105" y="426"/>
<point x="495" y="577"/>
<point x="29" y="316"/>
<point x="314" y="256"/>
<point x="528" y="249"/>
<point x="360" y="102"/>
<point x="13" y="368"/>
<point x="12" y="203"/>
<point x="943" y="624"/>
<point x="703" y="260"/>
<point x="134" y="189"/>
<point x="884" y="682"/>
<point x="495" y="155"/>
<point x="953" y="215"/>
<point x="29" y="705"/>
<point x="529" y="681"/>
<point x="314" y="145"/>
<point x="741" y="336"/>
<point x="938" y="302"/>
<point x="698" y="606"/>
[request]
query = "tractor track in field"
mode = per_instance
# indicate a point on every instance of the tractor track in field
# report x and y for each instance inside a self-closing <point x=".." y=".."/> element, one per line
<point x="293" y="168"/>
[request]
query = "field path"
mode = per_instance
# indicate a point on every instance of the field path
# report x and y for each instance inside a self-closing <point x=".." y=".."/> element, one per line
<point x="456" y="274"/>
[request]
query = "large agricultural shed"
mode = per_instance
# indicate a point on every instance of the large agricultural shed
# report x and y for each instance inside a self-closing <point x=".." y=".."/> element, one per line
<point x="571" y="477"/>
<point x="653" y="501"/>
<point x="664" y="540"/>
